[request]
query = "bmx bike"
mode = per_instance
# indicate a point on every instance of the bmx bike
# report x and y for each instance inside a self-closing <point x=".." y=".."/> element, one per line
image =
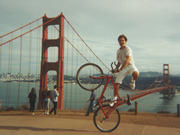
<point x="90" y="77"/>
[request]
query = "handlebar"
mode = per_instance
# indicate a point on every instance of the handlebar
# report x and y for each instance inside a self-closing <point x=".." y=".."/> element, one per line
<point x="112" y="68"/>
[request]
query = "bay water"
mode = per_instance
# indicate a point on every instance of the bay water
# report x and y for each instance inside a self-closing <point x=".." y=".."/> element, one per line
<point x="14" y="94"/>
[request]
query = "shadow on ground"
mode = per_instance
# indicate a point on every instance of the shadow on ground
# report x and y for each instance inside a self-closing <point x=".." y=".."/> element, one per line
<point x="42" y="129"/>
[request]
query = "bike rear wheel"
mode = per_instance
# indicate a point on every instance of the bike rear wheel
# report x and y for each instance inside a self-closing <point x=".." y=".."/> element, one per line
<point x="106" y="124"/>
<point x="84" y="76"/>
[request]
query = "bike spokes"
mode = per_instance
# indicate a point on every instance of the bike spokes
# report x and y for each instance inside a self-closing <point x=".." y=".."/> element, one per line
<point x="104" y="122"/>
<point x="86" y="76"/>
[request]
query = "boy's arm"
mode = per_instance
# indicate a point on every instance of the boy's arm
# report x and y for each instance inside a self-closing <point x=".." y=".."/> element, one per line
<point x="126" y="63"/>
<point x="57" y="93"/>
<point x="117" y="67"/>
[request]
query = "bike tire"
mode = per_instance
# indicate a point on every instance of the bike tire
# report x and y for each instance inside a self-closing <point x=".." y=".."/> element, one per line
<point x="83" y="76"/>
<point x="103" y="124"/>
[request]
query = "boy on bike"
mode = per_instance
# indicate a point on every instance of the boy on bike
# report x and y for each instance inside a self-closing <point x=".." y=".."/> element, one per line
<point x="125" y="65"/>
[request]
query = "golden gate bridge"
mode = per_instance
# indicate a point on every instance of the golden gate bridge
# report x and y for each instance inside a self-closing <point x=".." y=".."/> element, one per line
<point x="31" y="52"/>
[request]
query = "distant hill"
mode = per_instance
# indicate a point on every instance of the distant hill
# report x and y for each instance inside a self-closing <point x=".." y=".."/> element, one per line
<point x="144" y="80"/>
<point x="150" y="74"/>
<point x="177" y="75"/>
<point x="147" y="78"/>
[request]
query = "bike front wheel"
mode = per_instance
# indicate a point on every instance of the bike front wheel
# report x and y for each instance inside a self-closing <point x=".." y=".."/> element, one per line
<point x="85" y="76"/>
<point x="106" y="124"/>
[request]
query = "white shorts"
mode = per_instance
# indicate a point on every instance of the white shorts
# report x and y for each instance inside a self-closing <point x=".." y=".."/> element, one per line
<point x="122" y="74"/>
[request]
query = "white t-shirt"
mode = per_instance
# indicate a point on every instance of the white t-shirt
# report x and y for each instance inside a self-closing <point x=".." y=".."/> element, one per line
<point x="123" y="53"/>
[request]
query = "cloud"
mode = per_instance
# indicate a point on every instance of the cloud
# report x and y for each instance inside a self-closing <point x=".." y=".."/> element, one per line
<point x="152" y="26"/>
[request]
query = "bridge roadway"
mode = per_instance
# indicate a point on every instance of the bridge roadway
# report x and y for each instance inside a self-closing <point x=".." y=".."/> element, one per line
<point x="75" y="123"/>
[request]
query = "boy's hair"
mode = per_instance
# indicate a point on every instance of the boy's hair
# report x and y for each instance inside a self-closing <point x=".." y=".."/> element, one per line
<point x="122" y="36"/>
<point x="55" y="86"/>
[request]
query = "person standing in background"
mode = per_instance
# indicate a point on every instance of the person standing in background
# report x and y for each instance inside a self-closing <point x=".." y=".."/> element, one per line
<point x="91" y="99"/>
<point x="32" y="100"/>
<point x="45" y="101"/>
<point x="54" y="98"/>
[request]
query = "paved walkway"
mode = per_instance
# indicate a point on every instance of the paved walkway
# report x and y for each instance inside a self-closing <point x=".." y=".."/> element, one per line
<point x="26" y="124"/>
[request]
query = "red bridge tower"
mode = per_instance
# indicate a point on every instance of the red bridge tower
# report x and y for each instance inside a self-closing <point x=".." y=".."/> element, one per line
<point x="55" y="66"/>
<point x="170" y="92"/>
<point x="166" y="77"/>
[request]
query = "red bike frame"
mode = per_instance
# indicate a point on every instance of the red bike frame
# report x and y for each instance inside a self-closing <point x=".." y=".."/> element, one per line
<point x="101" y="101"/>
<point x="121" y="101"/>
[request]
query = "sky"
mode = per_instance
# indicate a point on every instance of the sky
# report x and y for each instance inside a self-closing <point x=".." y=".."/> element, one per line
<point x="151" y="26"/>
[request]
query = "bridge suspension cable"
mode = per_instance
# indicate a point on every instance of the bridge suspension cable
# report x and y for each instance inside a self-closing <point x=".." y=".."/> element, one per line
<point x="20" y="69"/>
<point x="27" y="31"/>
<point x="73" y="45"/>
<point x="86" y="43"/>
<point x="76" y="49"/>
<point x="21" y="27"/>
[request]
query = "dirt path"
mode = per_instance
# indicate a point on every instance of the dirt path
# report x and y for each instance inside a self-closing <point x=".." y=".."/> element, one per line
<point x="70" y="123"/>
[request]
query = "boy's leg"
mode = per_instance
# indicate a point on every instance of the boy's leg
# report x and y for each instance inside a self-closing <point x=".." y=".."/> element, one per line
<point x="116" y="88"/>
<point x="89" y="108"/>
<point x="52" y="109"/>
<point x="30" y="107"/>
<point x="135" y="75"/>
<point x="119" y="77"/>
<point x="116" y="94"/>
<point x="55" y="107"/>
<point x="33" y="106"/>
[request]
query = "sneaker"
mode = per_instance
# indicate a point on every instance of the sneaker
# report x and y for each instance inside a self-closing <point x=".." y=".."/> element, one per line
<point x="114" y="100"/>
<point x="132" y="84"/>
